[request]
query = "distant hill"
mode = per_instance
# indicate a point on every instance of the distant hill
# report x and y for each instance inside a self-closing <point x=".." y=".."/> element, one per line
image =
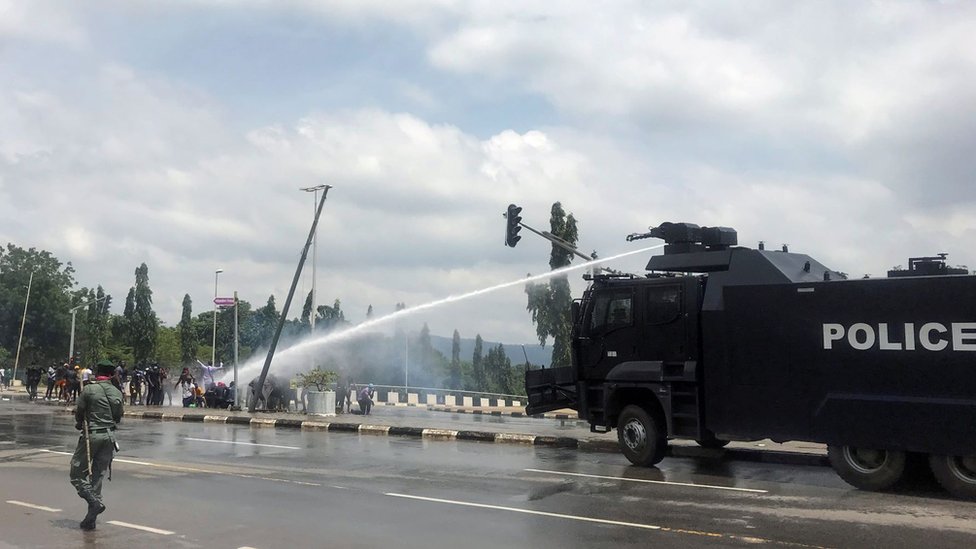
<point x="538" y="355"/>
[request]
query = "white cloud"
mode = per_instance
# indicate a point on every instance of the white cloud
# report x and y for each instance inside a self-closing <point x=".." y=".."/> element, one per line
<point x="39" y="20"/>
<point x="844" y="132"/>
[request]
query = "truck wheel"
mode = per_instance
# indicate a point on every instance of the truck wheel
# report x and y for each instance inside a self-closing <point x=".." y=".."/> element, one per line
<point x="641" y="438"/>
<point x="957" y="474"/>
<point x="866" y="468"/>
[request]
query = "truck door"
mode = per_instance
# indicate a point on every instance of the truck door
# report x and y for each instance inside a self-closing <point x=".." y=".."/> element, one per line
<point x="608" y="332"/>
<point x="663" y="325"/>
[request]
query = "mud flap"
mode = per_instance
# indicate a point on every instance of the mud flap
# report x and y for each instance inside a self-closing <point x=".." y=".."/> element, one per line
<point x="550" y="389"/>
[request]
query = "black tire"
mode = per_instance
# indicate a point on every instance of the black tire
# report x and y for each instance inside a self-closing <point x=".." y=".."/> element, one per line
<point x="865" y="468"/>
<point x="642" y="440"/>
<point x="956" y="474"/>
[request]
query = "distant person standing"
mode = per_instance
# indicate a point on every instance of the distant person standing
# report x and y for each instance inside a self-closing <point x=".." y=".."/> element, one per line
<point x="135" y="386"/>
<point x="34" y="376"/>
<point x="52" y="375"/>
<point x="185" y="384"/>
<point x="341" y="392"/>
<point x="99" y="410"/>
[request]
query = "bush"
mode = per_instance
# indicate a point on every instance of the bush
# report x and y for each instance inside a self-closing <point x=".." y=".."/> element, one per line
<point x="319" y="378"/>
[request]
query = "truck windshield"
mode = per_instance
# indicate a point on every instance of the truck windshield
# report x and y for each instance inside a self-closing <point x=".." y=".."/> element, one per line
<point x="611" y="310"/>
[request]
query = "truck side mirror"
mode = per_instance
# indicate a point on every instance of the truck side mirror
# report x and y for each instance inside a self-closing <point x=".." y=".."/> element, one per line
<point x="575" y="311"/>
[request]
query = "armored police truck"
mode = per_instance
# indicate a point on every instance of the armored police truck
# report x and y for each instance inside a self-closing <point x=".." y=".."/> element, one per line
<point x="721" y="342"/>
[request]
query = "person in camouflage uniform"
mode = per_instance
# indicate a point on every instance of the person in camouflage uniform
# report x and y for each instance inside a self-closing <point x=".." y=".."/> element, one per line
<point x="100" y="406"/>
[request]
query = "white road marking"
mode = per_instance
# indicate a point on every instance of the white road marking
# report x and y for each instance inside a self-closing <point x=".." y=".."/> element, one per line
<point x="33" y="506"/>
<point x="243" y="443"/>
<point x="528" y="511"/>
<point x="194" y="470"/>
<point x="687" y="484"/>
<point x="149" y="529"/>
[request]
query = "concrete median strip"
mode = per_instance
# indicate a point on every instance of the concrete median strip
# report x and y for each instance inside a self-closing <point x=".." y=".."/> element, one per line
<point x="374" y="429"/>
<point x="515" y="438"/>
<point x="589" y="445"/>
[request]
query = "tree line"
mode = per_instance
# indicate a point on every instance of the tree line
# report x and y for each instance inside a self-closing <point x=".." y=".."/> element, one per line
<point x="137" y="336"/>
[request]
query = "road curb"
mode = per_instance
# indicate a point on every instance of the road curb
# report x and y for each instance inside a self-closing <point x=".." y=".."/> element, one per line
<point x="610" y="446"/>
<point x="452" y="410"/>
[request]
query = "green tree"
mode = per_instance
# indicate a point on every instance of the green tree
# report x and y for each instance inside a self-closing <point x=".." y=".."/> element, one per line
<point x="123" y="328"/>
<point x="260" y="326"/>
<point x="188" y="339"/>
<point x="144" y="322"/>
<point x="48" y="322"/>
<point x="168" y="351"/>
<point x="497" y="368"/>
<point x="225" y="332"/>
<point x="97" y="325"/>
<point x="550" y="302"/>
<point x="477" y="364"/>
<point x="330" y="318"/>
<point x="306" y="319"/>
<point x="454" y="373"/>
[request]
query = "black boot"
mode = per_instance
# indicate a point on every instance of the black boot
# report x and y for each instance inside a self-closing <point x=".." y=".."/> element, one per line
<point x="95" y="508"/>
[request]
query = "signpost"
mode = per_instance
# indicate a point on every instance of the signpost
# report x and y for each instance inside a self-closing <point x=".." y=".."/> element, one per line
<point x="224" y="302"/>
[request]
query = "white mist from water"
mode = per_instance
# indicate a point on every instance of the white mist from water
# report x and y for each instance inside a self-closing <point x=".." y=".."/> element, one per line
<point x="297" y="356"/>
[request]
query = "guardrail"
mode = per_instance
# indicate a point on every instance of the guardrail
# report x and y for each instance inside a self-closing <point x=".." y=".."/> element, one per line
<point x="420" y="396"/>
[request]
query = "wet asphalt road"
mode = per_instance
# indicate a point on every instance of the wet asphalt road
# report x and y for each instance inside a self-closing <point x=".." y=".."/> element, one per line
<point x="217" y="485"/>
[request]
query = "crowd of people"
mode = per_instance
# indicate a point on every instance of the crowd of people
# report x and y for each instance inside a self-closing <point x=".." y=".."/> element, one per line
<point x="146" y="384"/>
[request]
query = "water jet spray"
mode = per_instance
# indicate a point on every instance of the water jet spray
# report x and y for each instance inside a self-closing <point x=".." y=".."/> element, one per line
<point x="353" y="331"/>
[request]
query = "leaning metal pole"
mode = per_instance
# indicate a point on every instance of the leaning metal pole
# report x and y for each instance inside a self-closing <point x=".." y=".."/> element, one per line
<point x="284" y="311"/>
<point x="22" y="322"/>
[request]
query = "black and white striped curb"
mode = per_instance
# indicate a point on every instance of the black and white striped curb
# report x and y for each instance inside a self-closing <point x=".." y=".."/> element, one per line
<point x="369" y="429"/>
<point x="500" y="413"/>
<point x="735" y="454"/>
<point x="674" y="450"/>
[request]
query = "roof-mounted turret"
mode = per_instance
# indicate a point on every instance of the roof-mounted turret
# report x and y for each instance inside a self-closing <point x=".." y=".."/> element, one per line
<point x="714" y="250"/>
<point x="682" y="238"/>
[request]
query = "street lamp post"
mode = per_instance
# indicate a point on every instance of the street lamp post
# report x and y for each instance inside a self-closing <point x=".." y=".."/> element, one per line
<point x="315" y="240"/>
<point x="213" y="347"/>
<point x="74" y="311"/>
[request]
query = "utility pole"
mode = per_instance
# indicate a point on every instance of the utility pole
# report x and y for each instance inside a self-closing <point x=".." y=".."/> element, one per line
<point x="291" y="294"/>
<point x="23" y="321"/>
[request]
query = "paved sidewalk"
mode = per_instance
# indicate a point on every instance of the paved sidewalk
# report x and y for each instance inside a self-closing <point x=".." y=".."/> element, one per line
<point x="466" y="424"/>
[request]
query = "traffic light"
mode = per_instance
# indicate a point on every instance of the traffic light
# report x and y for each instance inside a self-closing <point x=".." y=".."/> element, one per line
<point x="512" y="230"/>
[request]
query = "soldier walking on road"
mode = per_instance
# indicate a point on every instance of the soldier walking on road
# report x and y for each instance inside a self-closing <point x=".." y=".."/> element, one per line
<point x="99" y="410"/>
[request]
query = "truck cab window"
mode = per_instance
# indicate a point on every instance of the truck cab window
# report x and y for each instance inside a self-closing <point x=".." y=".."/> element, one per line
<point x="610" y="311"/>
<point x="663" y="304"/>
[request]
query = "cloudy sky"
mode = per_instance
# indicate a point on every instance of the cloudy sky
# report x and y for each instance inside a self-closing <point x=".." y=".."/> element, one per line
<point x="178" y="134"/>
